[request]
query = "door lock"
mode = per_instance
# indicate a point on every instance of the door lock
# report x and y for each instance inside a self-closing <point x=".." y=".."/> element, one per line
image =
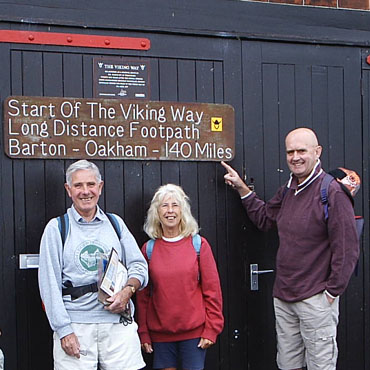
<point x="254" y="275"/>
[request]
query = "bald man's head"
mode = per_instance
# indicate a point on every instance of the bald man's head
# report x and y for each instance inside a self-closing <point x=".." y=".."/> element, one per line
<point x="303" y="151"/>
<point x="309" y="135"/>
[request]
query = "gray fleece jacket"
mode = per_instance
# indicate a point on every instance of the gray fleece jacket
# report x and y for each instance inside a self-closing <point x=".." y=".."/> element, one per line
<point x="78" y="262"/>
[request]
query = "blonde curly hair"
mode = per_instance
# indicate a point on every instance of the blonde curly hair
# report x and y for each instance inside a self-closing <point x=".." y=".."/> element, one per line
<point x="188" y="225"/>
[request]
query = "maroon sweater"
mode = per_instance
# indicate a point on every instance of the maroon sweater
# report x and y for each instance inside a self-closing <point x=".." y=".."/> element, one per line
<point x="313" y="254"/>
<point x="175" y="305"/>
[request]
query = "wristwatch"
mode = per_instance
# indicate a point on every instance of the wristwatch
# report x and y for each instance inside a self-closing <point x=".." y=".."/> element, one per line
<point x="133" y="290"/>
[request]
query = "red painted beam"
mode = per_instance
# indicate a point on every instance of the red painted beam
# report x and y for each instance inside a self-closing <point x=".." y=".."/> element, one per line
<point x="73" y="39"/>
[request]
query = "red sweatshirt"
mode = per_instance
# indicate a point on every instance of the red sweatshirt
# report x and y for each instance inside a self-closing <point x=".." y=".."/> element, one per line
<point x="176" y="305"/>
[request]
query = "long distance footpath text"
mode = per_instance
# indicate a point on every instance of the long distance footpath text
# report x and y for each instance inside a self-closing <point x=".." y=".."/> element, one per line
<point x="46" y="127"/>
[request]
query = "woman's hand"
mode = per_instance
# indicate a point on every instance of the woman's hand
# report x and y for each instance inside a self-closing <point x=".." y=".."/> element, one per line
<point x="147" y="347"/>
<point x="205" y="343"/>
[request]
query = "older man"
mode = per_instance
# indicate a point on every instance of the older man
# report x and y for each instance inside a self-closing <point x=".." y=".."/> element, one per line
<point x="315" y="259"/>
<point x="88" y="334"/>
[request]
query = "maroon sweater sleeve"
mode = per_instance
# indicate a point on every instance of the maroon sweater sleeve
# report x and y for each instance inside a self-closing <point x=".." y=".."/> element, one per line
<point x="263" y="215"/>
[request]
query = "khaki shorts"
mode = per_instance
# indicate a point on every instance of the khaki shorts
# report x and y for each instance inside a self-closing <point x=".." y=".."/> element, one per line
<point x="306" y="333"/>
<point x="113" y="346"/>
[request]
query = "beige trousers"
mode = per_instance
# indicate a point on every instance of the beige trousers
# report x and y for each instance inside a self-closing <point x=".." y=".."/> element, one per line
<point x="112" y="346"/>
<point x="306" y="333"/>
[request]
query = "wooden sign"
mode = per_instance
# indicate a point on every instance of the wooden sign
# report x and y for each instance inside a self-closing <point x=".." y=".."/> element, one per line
<point x="71" y="128"/>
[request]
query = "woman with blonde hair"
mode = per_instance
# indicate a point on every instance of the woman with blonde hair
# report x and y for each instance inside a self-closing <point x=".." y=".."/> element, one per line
<point x="180" y="312"/>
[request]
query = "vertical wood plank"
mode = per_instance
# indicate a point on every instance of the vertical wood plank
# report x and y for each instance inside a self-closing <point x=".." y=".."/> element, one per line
<point x="8" y="258"/>
<point x="303" y="95"/>
<point x="287" y="114"/>
<point x="260" y="247"/>
<point x="336" y="117"/>
<point x="363" y="210"/>
<point x="188" y="170"/>
<point x="55" y="195"/>
<point x="319" y="109"/>
<point x="232" y="273"/>
<point x="168" y="81"/>
<point x="271" y="104"/>
<point x="354" y="317"/>
<point x="34" y="208"/>
<point x="207" y="180"/>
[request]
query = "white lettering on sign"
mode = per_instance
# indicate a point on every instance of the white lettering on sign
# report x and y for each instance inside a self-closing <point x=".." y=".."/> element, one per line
<point x="34" y="110"/>
<point x="99" y="111"/>
<point x="68" y="109"/>
<point x="183" y="114"/>
<point x="36" y="149"/>
<point x="115" y="149"/>
<point x="67" y="128"/>
<point x="136" y="112"/>
<point x="44" y="127"/>
<point x="164" y="132"/>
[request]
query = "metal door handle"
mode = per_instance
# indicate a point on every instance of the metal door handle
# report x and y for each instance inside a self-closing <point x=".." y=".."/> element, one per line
<point x="261" y="272"/>
<point x="254" y="272"/>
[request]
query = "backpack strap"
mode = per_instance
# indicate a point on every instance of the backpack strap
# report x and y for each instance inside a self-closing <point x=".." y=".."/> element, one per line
<point x="149" y="248"/>
<point x="197" y="242"/>
<point x="115" y="224"/>
<point x="79" y="291"/>
<point x="359" y="226"/>
<point x="324" y="193"/>
<point x="63" y="225"/>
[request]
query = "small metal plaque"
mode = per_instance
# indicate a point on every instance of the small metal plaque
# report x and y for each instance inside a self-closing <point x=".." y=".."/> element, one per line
<point x="28" y="261"/>
<point x="118" y="78"/>
<point x="66" y="128"/>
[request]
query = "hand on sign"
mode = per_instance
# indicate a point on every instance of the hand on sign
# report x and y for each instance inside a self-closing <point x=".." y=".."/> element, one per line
<point x="233" y="179"/>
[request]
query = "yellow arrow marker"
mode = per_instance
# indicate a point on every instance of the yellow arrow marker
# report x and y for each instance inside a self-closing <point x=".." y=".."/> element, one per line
<point x="216" y="124"/>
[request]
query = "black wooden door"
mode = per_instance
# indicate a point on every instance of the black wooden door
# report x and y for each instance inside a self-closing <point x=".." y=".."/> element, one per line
<point x="366" y="145"/>
<point x="287" y="86"/>
<point x="187" y="69"/>
<point x="273" y="88"/>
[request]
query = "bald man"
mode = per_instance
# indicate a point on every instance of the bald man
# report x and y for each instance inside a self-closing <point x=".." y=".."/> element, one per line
<point x="315" y="259"/>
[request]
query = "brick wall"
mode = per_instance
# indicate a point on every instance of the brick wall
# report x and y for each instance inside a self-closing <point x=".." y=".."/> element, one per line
<point x="339" y="4"/>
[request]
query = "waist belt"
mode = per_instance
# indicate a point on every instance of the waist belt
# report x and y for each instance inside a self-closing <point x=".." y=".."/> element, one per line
<point x="78" y="291"/>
